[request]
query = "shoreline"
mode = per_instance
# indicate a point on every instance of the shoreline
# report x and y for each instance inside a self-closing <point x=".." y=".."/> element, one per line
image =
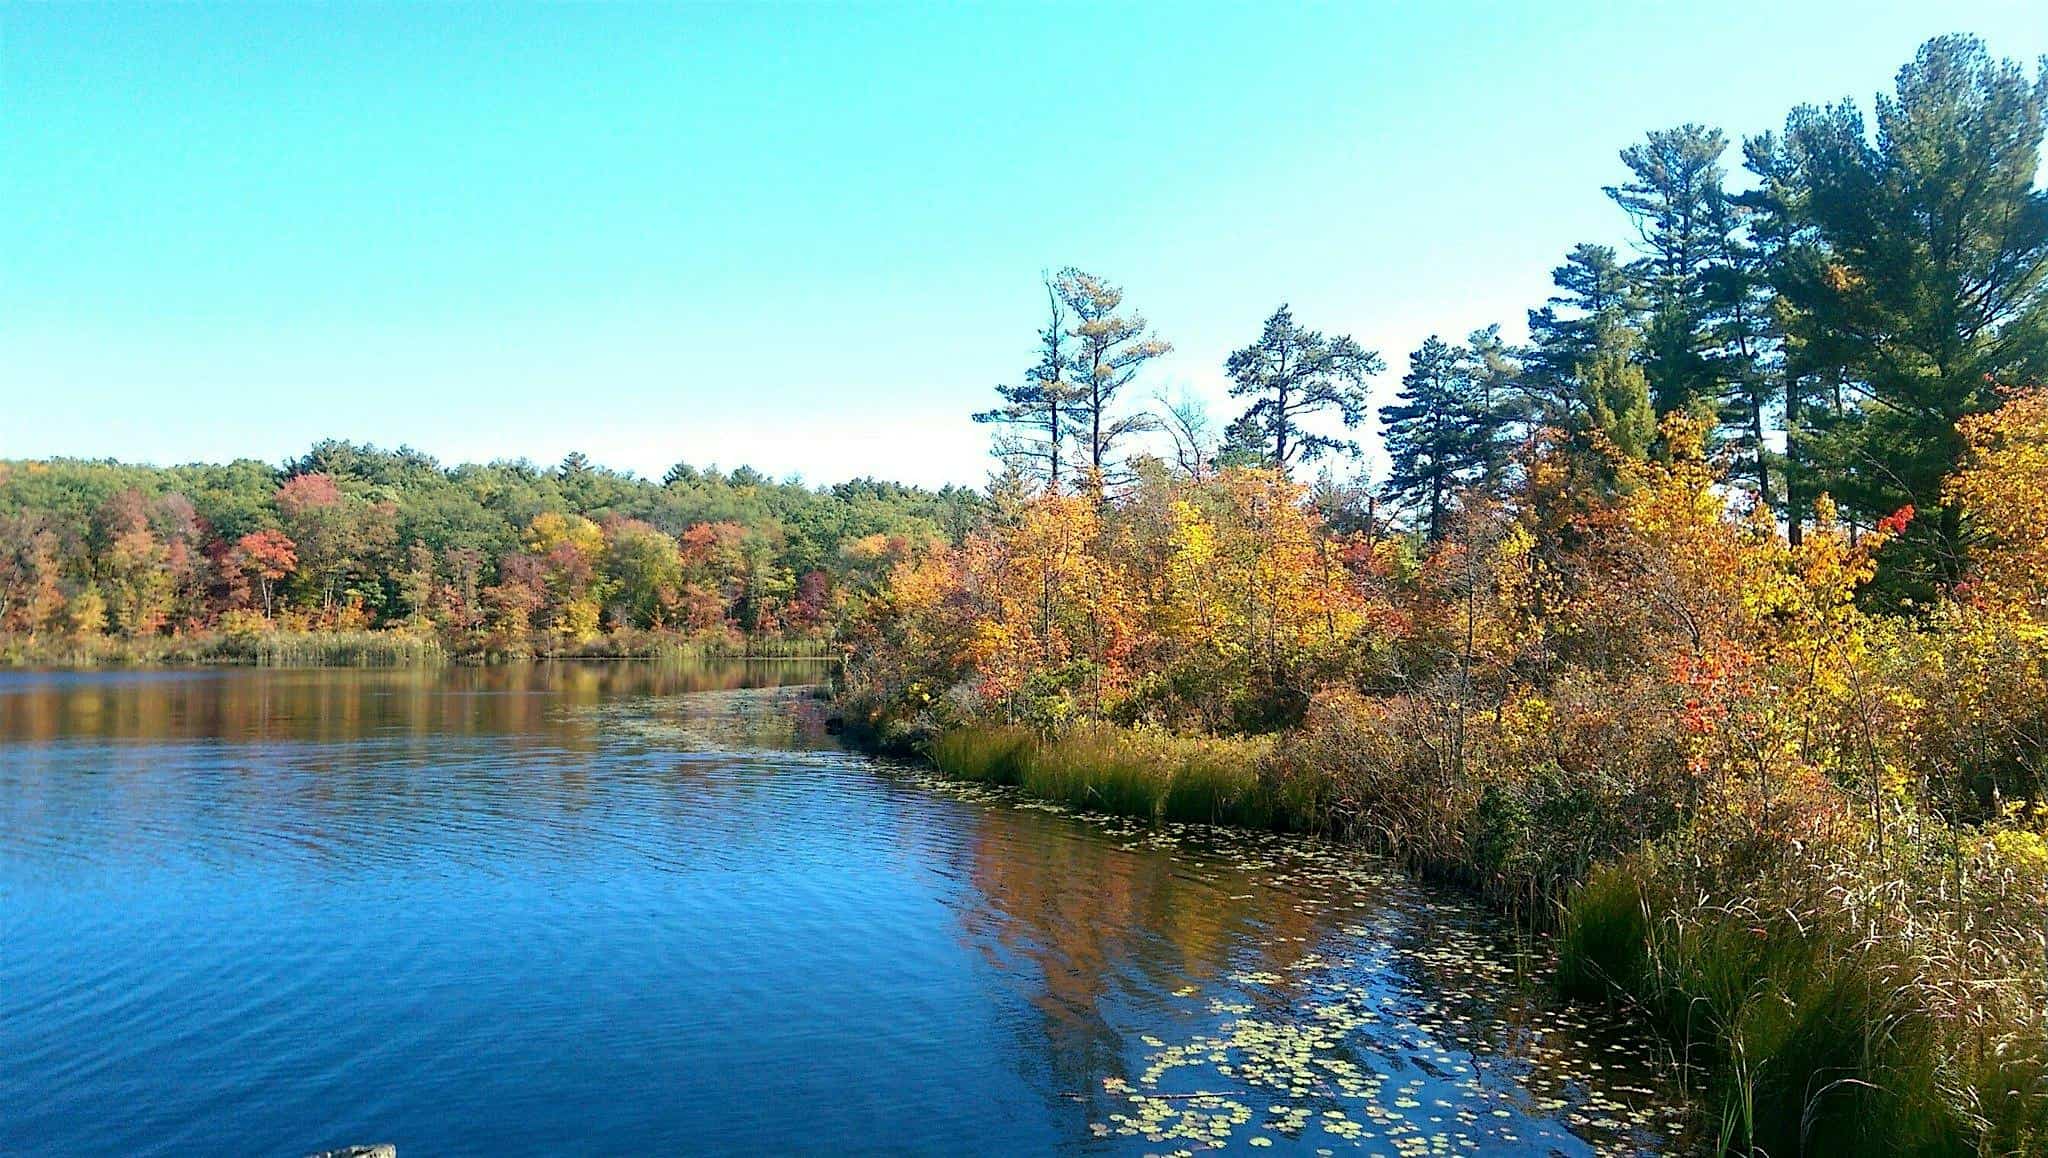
<point x="384" y="648"/>
<point x="1694" y="975"/>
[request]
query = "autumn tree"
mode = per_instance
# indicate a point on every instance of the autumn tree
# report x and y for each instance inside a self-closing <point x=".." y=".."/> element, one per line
<point x="418" y="583"/>
<point x="137" y="582"/>
<point x="86" y="612"/>
<point x="32" y="593"/>
<point x="343" y="540"/>
<point x="268" y="557"/>
<point x="569" y="550"/>
<point x="714" y="560"/>
<point x="646" y="574"/>
<point x="459" y="599"/>
<point x="2003" y="487"/>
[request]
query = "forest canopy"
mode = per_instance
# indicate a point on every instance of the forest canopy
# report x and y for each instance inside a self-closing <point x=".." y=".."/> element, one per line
<point x="506" y="558"/>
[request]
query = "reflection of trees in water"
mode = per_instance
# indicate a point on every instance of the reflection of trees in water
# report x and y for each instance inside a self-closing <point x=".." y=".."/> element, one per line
<point x="1111" y="922"/>
<point x="783" y="719"/>
<point x="1118" y="929"/>
<point x="1454" y="972"/>
<point x="337" y="766"/>
<point x="338" y="704"/>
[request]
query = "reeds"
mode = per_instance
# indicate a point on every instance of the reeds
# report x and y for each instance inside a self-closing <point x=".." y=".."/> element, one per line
<point x="641" y="644"/>
<point x="1128" y="772"/>
<point x="329" y="649"/>
<point x="260" y="649"/>
<point x="1822" y="1029"/>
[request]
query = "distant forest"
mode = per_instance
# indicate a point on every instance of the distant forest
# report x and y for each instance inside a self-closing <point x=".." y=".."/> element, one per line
<point x="504" y="559"/>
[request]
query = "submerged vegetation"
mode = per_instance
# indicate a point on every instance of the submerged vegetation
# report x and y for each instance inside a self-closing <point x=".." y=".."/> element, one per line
<point x="1709" y="631"/>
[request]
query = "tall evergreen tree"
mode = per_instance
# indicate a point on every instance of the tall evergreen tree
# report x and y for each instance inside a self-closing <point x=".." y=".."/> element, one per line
<point x="1593" y="309"/>
<point x="1618" y="406"/>
<point x="1502" y="399"/>
<point x="1746" y="343"/>
<point x="1783" y="260"/>
<point x="1292" y="373"/>
<point x="1108" y="349"/>
<point x="1439" y="433"/>
<point x="1039" y="413"/>
<point x="1681" y="214"/>
<point x="1931" y="288"/>
<point x="1581" y="373"/>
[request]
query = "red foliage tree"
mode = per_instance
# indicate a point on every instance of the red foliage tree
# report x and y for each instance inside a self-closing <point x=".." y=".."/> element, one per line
<point x="267" y="557"/>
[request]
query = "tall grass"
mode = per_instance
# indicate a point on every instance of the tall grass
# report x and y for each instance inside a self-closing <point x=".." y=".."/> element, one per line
<point x="1817" y="1033"/>
<point x="1149" y="774"/>
<point x="331" y="649"/>
<point x="261" y="649"/>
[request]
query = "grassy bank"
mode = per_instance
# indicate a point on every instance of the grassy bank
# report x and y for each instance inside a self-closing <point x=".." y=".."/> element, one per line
<point x="1830" y="1014"/>
<point x="1828" y="1006"/>
<point x="1153" y="775"/>
<point x="266" y="649"/>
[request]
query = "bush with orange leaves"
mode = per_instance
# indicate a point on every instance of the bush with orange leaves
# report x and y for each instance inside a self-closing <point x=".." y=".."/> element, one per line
<point x="1211" y="606"/>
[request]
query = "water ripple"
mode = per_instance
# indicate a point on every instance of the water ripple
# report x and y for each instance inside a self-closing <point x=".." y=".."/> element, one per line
<point x="609" y="910"/>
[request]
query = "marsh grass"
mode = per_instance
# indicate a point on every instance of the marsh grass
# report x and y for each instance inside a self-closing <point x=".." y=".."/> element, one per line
<point x="1128" y="772"/>
<point x="1816" y="1033"/>
<point x="258" y="649"/>
<point x="641" y="644"/>
<point x="331" y="649"/>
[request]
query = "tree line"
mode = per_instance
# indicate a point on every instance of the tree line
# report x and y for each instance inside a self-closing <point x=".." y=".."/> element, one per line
<point x="1832" y="315"/>
<point x="506" y="558"/>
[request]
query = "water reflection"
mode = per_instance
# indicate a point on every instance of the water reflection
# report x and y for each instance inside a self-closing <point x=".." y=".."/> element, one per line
<point x="1280" y="991"/>
<point x="344" y="704"/>
<point x="626" y="907"/>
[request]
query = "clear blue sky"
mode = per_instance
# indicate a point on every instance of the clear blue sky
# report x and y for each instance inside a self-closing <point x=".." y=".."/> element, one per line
<point x="801" y="237"/>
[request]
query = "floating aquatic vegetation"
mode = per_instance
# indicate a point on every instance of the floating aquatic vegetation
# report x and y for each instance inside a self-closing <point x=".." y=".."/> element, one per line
<point x="1366" y="1014"/>
<point x="1389" y="1020"/>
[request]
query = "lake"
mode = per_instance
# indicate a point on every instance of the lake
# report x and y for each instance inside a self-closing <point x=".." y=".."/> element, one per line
<point x="637" y="907"/>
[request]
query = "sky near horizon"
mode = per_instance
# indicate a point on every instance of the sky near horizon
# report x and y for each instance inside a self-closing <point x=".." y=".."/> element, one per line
<point x="806" y="238"/>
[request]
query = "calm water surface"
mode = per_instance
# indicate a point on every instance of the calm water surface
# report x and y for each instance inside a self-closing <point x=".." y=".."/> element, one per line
<point x="629" y="908"/>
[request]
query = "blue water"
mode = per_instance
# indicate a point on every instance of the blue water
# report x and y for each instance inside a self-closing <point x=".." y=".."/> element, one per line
<point x="622" y="909"/>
